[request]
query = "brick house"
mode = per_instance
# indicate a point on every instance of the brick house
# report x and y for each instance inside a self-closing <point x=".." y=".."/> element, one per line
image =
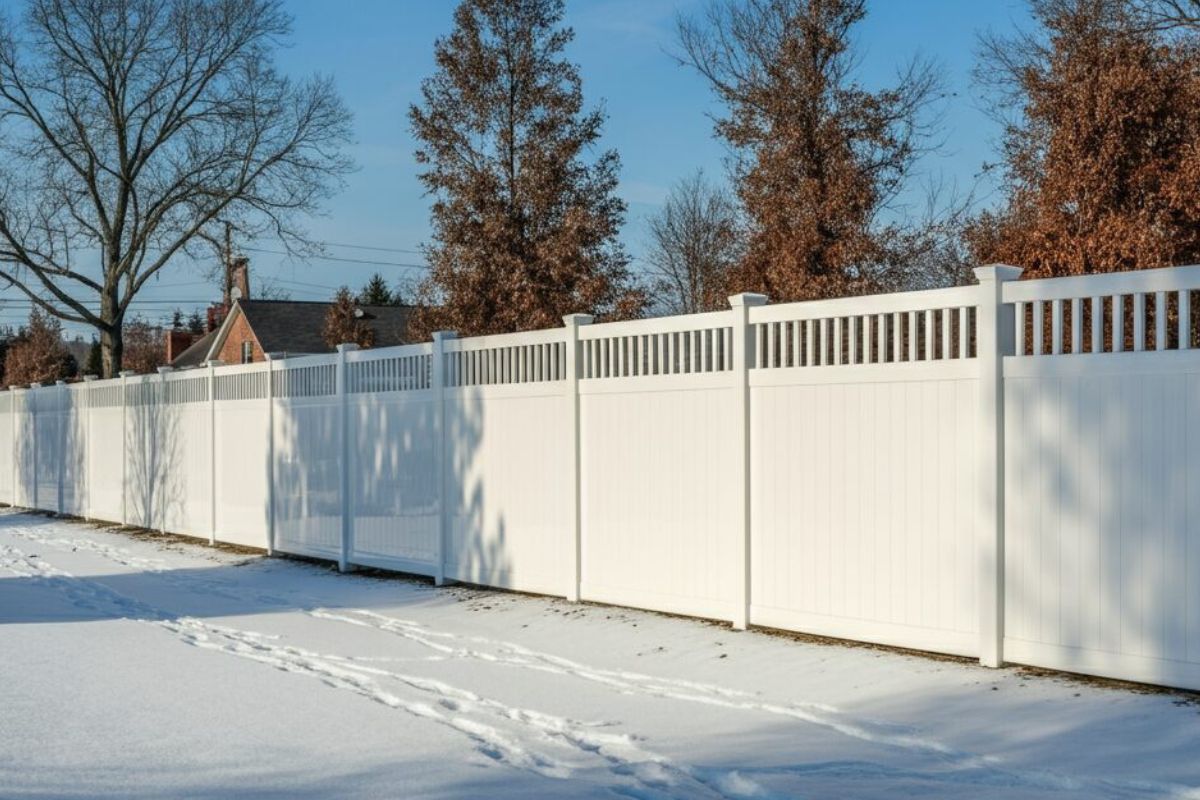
<point x="243" y="330"/>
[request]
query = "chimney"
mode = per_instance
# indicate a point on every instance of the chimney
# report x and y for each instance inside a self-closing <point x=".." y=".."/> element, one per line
<point x="177" y="342"/>
<point x="239" y="279"/>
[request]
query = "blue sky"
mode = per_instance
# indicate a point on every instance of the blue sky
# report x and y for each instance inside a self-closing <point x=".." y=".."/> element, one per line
<point x="378" y="51"/>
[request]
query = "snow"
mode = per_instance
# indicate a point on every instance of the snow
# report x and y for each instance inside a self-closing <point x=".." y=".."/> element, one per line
<point x="134" y="667"/>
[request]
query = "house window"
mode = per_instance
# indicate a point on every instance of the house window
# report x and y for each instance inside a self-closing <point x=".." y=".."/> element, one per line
<point x="247" y="352"/>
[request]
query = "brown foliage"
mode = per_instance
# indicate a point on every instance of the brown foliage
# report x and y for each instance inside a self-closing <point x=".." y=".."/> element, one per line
<point x="344" y="323"/>
<point x="37" y="354"/>
<point x="145" y="347"/>
<point x="818" y="157"/>
<point x="1102" y="164"/>
<point x="524" y="229"/>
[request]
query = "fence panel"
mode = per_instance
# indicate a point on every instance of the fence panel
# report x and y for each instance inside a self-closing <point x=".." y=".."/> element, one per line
<point x="1102" y="477"/>
<point x="307" y="450"/>
<point x="658" y="503"/>
<point x="184" y="431"/>
<point x="106" y="444"/>
<point x="864" y="470"/>
<point x="75" y="450"/>
<point x="241" y="446"/>
<point x="394" y="441"/>
<point x="508" y="472"/>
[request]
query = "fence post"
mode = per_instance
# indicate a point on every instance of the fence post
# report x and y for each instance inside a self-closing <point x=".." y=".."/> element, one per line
<point x="60" y="428"/>
<point x="437" y="381"/>
<point x="994" y="339"/>
<point x="574" y="563"/>
<point x="343" y="396"/>
<point x="212" y="365"/>
<point x="271" y="359"/>
<point x="89" y="389"/>
<point x="742" y="361"/>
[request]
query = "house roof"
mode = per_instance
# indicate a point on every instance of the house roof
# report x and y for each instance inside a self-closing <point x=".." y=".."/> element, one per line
<point x="295" y="327"/>
<point x="196" y="353"/>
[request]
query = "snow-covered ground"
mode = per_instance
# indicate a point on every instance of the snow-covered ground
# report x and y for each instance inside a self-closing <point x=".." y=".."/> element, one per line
<point x="133" y="668"/>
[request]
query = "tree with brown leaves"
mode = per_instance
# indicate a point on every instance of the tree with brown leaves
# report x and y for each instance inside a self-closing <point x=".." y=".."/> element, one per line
<point x="524" y="228"/>
<point x="145" y="346"/>
<point x="38" y="354"/>
<point x="344" y="323"/>
<point x="695" y="241"/>
<point x="818" y="159"/>
<point x="1102" y="168"/>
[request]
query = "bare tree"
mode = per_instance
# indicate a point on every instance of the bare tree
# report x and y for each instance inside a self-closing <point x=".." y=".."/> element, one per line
<point x="131" y="127"/>
<point x="344" y="322"/>
<point x="695" y="240"/>
<point x="818" y="158"/>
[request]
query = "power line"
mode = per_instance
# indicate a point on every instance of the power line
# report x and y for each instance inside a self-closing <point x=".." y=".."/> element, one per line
<point x="371" y="247"/>
<point x="400" y="264"/>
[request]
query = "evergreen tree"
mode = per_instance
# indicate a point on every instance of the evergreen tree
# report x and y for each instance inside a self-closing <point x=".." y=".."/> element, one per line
<point x="344" y="323"/>
<point x="524" y="228"/>
<point x="376" y="292"/>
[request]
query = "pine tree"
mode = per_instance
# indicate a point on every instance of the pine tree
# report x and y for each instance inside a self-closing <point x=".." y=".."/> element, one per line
<point x="376" y="292"/>
<point x="524" y="228"/>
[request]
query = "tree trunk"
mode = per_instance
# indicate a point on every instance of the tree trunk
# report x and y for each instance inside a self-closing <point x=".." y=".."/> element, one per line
<point x="112" y="342"/>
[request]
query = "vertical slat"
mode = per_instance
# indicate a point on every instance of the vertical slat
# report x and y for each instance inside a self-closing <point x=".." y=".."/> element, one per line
<point x="1056" y="327"/>
<point x="769" y="330"/>
<point x="1076" y="326"/>
<point x="704" y="350"/>
<point x="1019" y="310"/>
<point x="823" y="345"/>
<point x="929" y="334"/>
<point x="837" y="339"/>
<point x="1039" y="327"/>
<point x="852" y="333"/>
<point x="881" y="338"/>
<point x="809" y="349"/>
<point x="1160" y="321"/>
<point x="1185" y="319"/>
<point x="1139" y="321"/>
<point x="1097" y="324"/>
<point x="964" y="334"/>
<point x="1118" y="323"/>
<point x="946" y="336"/>
<point x="897" y="340"/>
<point x="796" y="343"/>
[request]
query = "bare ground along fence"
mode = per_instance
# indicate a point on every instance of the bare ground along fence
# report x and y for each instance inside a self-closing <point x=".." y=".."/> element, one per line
<point x="1008" y="471"/>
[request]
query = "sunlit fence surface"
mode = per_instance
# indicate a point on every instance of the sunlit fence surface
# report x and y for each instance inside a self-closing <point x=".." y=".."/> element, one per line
<point x="1008" y="471"/>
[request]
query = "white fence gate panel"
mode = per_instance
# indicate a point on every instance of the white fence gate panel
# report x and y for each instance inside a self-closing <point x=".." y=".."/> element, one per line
<point x="393" y="445"/>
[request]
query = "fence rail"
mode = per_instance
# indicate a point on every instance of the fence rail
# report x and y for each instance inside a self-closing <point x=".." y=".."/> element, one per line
<point x="1004" y="471"/>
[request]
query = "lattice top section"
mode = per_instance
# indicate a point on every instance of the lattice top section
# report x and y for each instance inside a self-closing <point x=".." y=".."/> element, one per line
<point x="683" y="345"/>
<point x="1112" y="313"/>
<point x="934" y="325"/>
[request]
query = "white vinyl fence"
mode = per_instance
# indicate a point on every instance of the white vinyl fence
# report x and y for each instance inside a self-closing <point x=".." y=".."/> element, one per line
<point x="1007" y="471"/>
